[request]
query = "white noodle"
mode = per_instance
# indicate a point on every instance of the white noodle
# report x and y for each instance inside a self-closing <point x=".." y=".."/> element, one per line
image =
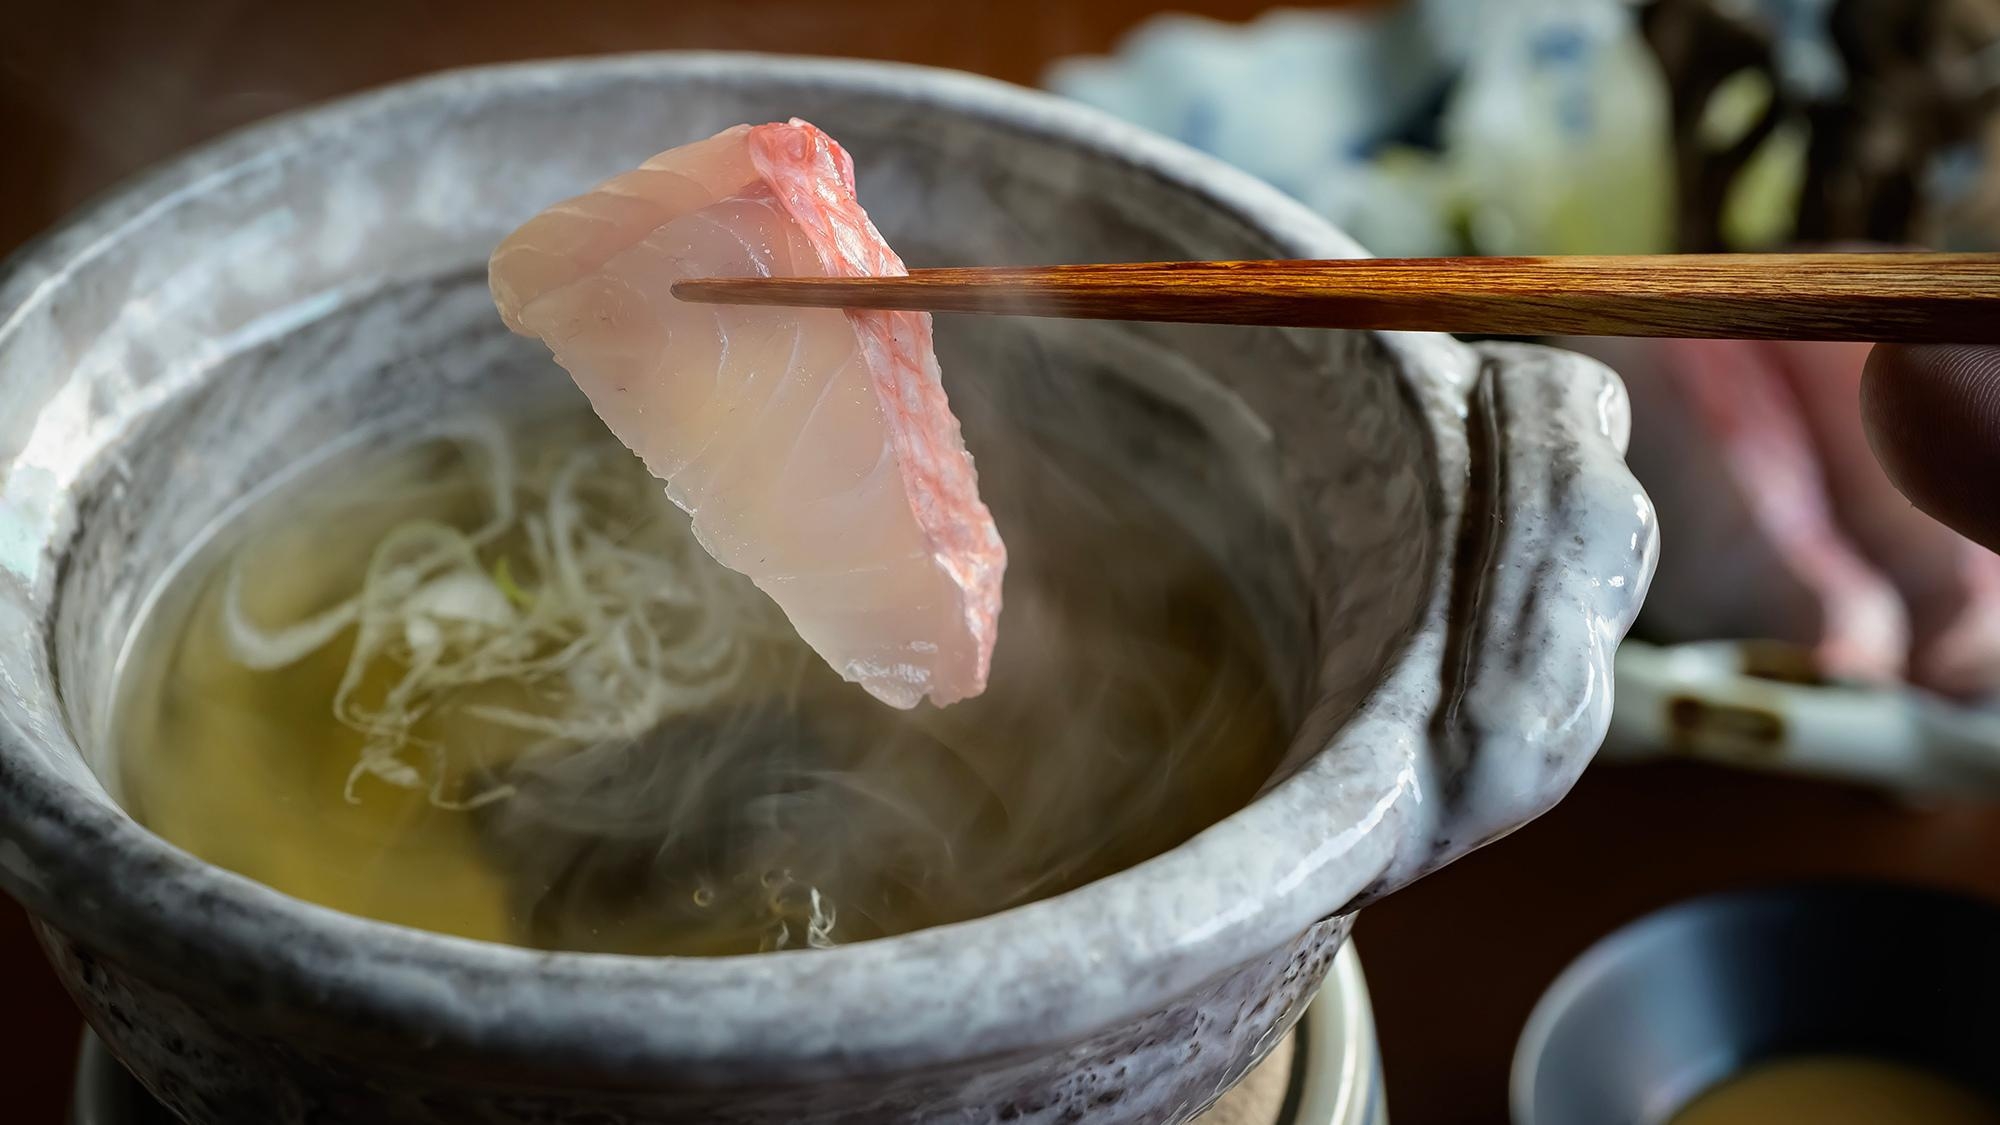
<point x="613" y="637"/>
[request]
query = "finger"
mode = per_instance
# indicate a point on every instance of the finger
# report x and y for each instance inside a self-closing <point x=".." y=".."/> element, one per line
<point x="1933" y="418"/>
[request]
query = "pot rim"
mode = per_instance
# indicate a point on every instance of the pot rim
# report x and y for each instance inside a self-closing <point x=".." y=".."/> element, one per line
<point x="1056" y="970"/>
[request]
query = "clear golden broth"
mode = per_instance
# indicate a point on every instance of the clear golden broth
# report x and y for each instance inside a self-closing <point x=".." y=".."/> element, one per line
<point x="1129" y="708"/>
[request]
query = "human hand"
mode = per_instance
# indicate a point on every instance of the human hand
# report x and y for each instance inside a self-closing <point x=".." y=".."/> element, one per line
<point x="1932" y="415"/>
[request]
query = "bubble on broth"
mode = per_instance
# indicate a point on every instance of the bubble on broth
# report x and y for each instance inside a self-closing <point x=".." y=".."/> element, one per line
<point x="487" y="683"/>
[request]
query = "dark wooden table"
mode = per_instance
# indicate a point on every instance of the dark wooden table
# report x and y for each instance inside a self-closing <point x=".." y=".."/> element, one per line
<point x="90" y="92"/>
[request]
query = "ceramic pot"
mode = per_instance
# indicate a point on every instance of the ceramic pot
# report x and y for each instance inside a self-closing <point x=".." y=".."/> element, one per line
<point x="1441" y="544"/>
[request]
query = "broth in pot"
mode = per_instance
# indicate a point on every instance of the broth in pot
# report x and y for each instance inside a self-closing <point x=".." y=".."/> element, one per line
<point x="487" y="683"/>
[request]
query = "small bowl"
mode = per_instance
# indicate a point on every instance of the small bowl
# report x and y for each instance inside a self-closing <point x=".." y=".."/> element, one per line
<point x="1663" y="1009"/>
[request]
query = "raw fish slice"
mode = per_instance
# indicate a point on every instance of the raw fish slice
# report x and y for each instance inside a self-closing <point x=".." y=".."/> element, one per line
<point x="814" y="448"/>
<point x="1750" y="547"/>
<point x="1950" y="584"/>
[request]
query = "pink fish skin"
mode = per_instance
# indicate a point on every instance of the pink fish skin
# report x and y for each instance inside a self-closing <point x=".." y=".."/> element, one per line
<point x="814" y="448"/>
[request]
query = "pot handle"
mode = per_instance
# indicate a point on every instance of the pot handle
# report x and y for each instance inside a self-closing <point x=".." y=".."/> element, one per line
<point x="1556" y="544"/>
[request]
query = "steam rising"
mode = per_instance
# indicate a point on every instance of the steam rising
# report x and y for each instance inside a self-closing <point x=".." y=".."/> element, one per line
<point x="511" y="637"/>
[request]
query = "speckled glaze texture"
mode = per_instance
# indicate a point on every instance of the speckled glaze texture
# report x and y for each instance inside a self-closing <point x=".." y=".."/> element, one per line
<point x="1441" y="544"/>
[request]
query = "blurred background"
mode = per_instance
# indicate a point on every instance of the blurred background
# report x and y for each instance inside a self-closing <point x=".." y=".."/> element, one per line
<point x="1428" y="127"/>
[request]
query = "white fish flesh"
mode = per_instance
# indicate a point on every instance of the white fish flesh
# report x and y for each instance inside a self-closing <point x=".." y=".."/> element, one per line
<point x="814" y="448"/>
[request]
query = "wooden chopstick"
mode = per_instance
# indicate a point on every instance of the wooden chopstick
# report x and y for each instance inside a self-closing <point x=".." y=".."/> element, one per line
<point x="1908" y="298"/>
